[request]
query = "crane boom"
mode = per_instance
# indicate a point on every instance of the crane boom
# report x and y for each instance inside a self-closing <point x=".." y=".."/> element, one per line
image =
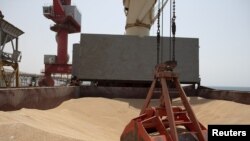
<point x="140" y="16"/>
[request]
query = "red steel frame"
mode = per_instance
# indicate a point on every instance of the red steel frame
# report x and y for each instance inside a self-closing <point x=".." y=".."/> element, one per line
<point x="163" y="120"/>
<point x="64" y="25"/>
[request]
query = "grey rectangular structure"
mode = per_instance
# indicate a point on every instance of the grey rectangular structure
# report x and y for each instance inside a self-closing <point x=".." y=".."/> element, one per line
<point x="131" y="58"/>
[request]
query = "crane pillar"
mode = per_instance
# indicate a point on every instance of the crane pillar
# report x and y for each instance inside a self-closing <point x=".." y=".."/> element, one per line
<point x="67" y="20"/>
<point x="62" y="41"/>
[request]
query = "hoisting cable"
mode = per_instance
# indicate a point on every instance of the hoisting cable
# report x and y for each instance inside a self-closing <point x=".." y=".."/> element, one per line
<point x="162" y="24"/>
<point x="171" y="64"/>
<point x="170" y="39"/>
<point x="158" y="33"/>
<point x="173" y="30"/>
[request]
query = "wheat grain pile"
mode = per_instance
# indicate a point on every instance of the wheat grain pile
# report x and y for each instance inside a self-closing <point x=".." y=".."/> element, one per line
<point x="92" y="119"/>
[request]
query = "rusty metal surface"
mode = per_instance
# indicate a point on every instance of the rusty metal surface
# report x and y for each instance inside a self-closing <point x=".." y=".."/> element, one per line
<point x="229" y="95"/>
<point x="36" y="97"/>
<point x="50" y="97"/>
<point x="113" y="92"/>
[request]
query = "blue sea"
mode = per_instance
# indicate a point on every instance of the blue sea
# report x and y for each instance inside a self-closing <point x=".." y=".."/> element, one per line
<point x="231" y="88"/>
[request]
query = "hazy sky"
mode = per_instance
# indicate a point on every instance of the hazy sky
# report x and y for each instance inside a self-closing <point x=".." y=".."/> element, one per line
<point x="222" y="26"/>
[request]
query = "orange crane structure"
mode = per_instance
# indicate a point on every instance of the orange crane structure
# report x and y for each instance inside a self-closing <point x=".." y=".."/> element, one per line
<point x="165" y="122"/>
<point x="67" y="20"/>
